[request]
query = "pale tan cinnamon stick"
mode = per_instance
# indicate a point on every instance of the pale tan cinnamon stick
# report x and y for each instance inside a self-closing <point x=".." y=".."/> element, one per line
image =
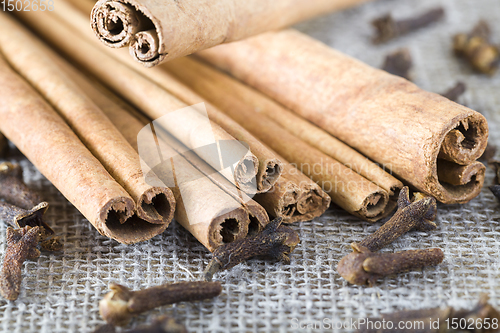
<point x="386" y="118"/>
<point x="43" y="137"/>
<point x="162" y="30"/>
<point x="218" y="85"/>
<point x="348" y="189"/>
<point x="145" y="95"/>
<point x="286" y="198"/>
<point x="213" y="222"/>
<point x="33" y="60"/>
<point x="295" y="197"/>
<point x="269" y="167"/>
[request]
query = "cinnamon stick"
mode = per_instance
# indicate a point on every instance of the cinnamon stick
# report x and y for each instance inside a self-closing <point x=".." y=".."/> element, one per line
<point x="269" y="167"/>
<point x="213" y="222"/>
<point x="43" y="137"/>
<point x="146" y="96"/>
<point x="389" y="120"/>
<point x="216" y="86"/>
<point x="346" y="188"/>
<point x="157" y="31"/>
<point x="33" y="60"/>
<point x="293" y="196"/>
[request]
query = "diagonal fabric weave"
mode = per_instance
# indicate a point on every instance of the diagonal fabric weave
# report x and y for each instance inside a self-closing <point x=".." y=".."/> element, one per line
<point x="61" y="291"/>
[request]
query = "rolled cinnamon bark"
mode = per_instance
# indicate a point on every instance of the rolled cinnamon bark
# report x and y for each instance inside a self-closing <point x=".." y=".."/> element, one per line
<point x="47" y="141"/>
<point x="219" y="84"/>
<point x="384" y="117"/>
<point x="162" y="30"/>
<point x="346" y="188"/>
<point x="33" y="60"/>
<point x="213" y="222"/>
<point x="188" y="125"/>
<point x="269" y="167"/>
<point x="294" y="196"/>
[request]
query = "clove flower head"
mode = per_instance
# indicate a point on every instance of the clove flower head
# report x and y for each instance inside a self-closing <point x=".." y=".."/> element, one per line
<point x="276" y="241"/>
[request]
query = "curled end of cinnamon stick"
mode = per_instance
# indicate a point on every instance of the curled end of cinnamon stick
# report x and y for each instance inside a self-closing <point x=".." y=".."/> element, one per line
<point x="460" y="176"/>
<point x="258" y="218"/>
<point x="245" y="173"/>
<point x="313" y="202"/>
<point x="120" y="23"/>
<point x="462" y="182"/>
<point x="118" y="221"/>
<point x="267" y="177"/>
<point x="156" y="205"/>
<point x="467" y="141"/>
<point x="227" y="228"/>
<point x="374" y="206"/>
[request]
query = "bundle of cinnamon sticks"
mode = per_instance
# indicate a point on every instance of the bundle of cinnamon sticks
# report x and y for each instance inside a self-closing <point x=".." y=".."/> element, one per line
<point x="132" y="147"/>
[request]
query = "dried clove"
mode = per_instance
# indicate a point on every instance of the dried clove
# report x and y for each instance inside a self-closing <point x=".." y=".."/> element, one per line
<point x="163" y="324"/>
<point x="455" y="92"/>
<point x="363" y="266"/>
<point x="477" y="49"/>
<point x="399" y="63"/>
<point x="19" y="218"/>
<point x="495" y="189"/>
<point x="121" y="304"/>
<point x="276" y="241"/>
<point x="387" y="28"/>
<point x="21" y="245"/>
<point x="436" y="320"/>
<point x="13" y="189"/>
<point x="416" y="214"/>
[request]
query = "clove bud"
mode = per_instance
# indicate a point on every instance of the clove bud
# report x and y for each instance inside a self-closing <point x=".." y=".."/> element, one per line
<point x="387" y="28"/>
<point x="21" y="245"/>
<point x="416" y="214"/>
<point x="13" y="189"/>
<point x="20" y="218"/>
<point x="477" y="49"/>
<point x="363" y="266"/>
<point x="121" y="304"/>
<point x="276" y="241"/>
<point x="399" y="63"/>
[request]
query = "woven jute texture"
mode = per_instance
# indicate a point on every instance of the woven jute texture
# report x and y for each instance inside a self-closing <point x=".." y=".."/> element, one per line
<point x="61" y="291"/>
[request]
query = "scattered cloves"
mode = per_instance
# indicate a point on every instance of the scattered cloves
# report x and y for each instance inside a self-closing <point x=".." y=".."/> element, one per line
<point x="121" y="304"/>
<point x="388" y="28"/>
<point x="417" y="214"/>
<point x="163" y="324"/>
<point x="399" y="63"/>
<point x="363" y="266"/>
<point x="13" y="189"/>
<point x="276" y="241"/>
<point x="19" y="218"/>
<point x="436" y="320"/>
<point x="455" y="92"/>
<point x="21" y="245"/>
<point x="477" y="49"/>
